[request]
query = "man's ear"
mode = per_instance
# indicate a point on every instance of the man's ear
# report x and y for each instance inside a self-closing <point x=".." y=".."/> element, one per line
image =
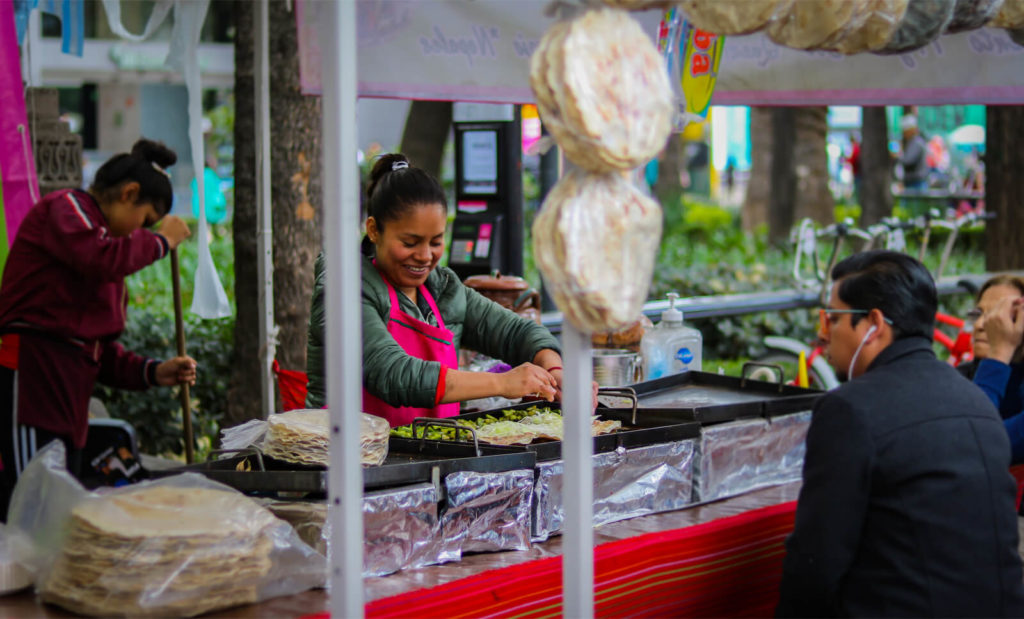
<point x="130" y="192"/>
<point x="877" y="321"/>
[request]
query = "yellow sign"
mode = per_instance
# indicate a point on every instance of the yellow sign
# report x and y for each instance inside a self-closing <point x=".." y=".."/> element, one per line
<point x="702" y="54"/>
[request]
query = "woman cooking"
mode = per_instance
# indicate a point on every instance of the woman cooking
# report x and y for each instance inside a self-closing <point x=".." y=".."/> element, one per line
<point x="416" y="315"/>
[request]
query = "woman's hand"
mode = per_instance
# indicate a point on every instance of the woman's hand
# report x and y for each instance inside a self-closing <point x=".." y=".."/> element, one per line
<point x="557" y="373"/>
<point x="1004" y="328"/>
<point x="176" y="371"/>
<point x="175" y="230"/>
<point x="528" y="380"/>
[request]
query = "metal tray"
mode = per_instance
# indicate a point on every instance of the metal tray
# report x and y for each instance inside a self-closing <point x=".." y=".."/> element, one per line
<point x="420" y="463"/>
<point x="712" y="398"/>
<point x="639" y="430"/>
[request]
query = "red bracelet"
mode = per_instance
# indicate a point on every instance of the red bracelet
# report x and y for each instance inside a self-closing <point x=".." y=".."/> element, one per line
<point x="557" y="367"/>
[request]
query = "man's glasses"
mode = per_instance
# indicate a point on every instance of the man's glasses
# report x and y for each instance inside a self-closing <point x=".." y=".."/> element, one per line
<point x="825" y="318"/>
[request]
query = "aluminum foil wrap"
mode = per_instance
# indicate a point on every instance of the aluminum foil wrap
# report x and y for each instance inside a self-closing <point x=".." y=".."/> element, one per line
<point x="400" y="529"/>
<point x="740" y="456"/>
<point x="488" y="511"/>
<point x="627" y="483"/>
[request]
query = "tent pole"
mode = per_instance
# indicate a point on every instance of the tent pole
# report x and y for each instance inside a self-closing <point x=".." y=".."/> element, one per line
<point x="265" y="236"/>
<point x="578" y="488"/>
<point x="344" y="303"/>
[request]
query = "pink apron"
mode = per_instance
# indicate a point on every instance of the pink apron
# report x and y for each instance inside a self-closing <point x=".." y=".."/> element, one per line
<point x="420" y="340"/>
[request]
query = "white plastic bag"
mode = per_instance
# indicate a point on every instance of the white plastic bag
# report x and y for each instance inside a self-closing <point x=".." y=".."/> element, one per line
<point x="182" y="545"/>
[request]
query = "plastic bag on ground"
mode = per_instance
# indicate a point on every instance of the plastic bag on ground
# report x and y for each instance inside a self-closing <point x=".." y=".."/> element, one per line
<point x="183" y="545"/>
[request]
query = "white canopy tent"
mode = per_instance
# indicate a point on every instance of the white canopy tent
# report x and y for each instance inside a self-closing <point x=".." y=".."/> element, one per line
<point x="478" y="51"/>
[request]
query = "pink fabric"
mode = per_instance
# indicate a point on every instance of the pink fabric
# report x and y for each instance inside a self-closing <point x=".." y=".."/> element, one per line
<point x="20" y="188"/>
<point x="420" y="340"/>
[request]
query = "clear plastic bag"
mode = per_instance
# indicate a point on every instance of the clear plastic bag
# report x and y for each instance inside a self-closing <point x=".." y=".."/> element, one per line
<point x="302" y="436"/>
<point x="602" y="90"/>
<point x="595" y="242"/>
<point x="1010" y="15"/>
<point x="817" y="25"/>
<point x="923" y="22"/>
<point x="971" y="14"/>
<point x="183" y="545"/>
<point x="876" y="28"/>
<point x="727" y="17"/>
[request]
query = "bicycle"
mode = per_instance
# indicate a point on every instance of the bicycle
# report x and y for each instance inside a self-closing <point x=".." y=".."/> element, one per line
<point x="892" y="231"/>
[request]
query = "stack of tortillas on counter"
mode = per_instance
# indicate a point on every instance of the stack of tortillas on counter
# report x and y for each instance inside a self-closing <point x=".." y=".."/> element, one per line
<point x="603" y="91"/>
<point x="162" y="550"/>
<point x="303" y="437"/>
<point x="853" y="26"/>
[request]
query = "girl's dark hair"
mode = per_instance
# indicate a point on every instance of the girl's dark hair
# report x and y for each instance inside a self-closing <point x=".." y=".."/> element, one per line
<point x="139" y="166"/>
<point x="395" y="188"/>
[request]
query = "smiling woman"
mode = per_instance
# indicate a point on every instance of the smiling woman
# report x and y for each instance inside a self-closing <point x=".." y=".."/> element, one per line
<point x="417" y="314"/>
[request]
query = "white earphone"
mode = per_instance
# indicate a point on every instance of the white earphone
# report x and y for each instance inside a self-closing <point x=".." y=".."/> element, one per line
<point x="849" y="371"/>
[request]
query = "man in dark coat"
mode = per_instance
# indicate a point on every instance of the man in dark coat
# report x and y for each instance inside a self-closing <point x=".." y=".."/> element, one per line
<point x="907" y="506"/>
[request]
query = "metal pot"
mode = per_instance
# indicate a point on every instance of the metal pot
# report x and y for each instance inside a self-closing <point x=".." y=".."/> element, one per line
<point x="616" y="367"/>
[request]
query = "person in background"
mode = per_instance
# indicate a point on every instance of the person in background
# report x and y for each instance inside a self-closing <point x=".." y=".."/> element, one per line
<point x="998" y="321"/>
<point x="853" y="159"/>
<point x="63" y="302"/>
<point x="913" y="158"/>
<point x="417" y="314"/>
<point x="907" y="505"/>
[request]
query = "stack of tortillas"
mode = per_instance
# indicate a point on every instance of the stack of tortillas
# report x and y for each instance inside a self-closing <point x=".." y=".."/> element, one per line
<point x="303" y="437"/>
<point x="733" y="16"/>
<point x="595" y="240"/>
<point x="162" y="550"/>
<point x="603" y="91"/>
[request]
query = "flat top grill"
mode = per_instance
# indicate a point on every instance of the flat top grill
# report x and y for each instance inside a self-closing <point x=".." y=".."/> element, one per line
<point x="713" y="398"/>
<point x="640" y="431"/>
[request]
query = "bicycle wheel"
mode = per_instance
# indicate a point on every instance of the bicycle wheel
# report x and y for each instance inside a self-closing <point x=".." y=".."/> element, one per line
<point x="789" y="364"/>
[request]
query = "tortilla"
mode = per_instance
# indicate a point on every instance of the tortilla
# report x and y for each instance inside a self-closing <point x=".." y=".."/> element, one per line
<point x="303" y="437"/>
<point x="971" y="14"/>
<point x="595" y="242"/>
<point x="1010" y="16"/>
<point x="733" y="16"/>
<point x="603" y="91"/>
<point x="162" y="550"/>
<point x="923" y="22"/>
<point x="878" y="26"/>
<point x="812" y="24"/>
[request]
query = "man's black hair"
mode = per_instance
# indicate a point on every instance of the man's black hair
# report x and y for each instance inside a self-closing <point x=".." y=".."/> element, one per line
<point x="894" y="283"/>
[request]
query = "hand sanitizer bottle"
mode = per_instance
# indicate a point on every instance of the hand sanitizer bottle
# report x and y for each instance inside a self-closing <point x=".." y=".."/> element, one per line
<point x="671" y="347"/>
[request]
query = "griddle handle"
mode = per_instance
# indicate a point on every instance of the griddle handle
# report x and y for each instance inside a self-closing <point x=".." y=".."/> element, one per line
<point x="426" y="422"/>
<point x="622" y="392"/>
<point x="249" y="451"/>
<point x="758" y="364"/>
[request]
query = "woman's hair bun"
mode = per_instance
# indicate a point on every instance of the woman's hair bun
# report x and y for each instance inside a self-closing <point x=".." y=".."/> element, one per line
<point x="154" y="152"/>
<point x="385" y="165"/>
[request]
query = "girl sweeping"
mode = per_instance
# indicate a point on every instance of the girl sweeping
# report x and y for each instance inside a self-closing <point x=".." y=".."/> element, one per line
<point x="63" y="301"/>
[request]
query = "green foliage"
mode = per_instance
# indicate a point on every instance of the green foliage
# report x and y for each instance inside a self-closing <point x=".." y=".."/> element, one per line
<point x="149" y="330"/>
<point x="156" y="413"/>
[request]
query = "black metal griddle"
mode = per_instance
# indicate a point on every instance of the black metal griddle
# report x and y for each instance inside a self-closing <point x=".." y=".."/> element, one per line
<point x="712" y="398"/>
<point x="251" y="472"/>
<point x="637" y="431"/>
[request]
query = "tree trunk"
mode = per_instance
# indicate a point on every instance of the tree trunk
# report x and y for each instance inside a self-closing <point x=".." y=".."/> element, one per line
<point x="875" y="167"/>
<point x="426" y="131"/>
<point x="244" y="389"/>
<point x="782" y="201"/>
<point x="810" y="157"/>
<point x="295" y="188"/>
<point x="759" y="187"/>
<point x="1004" y="191"/>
